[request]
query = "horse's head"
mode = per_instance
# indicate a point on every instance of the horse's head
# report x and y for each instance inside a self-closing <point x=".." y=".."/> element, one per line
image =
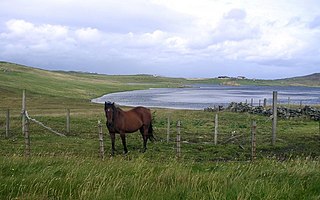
<point x="109" y="109"/>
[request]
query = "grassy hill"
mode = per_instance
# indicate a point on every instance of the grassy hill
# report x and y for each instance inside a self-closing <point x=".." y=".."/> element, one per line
<point x="76" y="87"/>
<point x="69" y="167"/>
<point x="308" y="80"/>
<point x="312" y="80"/>
<point x="72" y="87"/>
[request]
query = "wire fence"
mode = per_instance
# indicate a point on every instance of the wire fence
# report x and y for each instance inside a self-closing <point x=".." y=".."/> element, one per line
<point x="197" y="139"/>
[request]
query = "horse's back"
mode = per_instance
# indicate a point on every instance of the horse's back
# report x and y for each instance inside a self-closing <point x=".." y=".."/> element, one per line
<point x="143" y="113"/>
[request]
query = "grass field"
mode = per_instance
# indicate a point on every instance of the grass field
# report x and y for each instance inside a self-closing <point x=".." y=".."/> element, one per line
<point x="70" y="168"/>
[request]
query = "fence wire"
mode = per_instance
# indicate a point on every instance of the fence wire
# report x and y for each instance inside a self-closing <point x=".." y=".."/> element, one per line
<point x="44" y="126"/>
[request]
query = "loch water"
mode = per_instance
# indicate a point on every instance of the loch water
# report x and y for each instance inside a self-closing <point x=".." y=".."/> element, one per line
<point x="200" y="96"/>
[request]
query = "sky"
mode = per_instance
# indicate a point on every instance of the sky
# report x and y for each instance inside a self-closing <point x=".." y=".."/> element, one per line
<point x="176" y="38"/>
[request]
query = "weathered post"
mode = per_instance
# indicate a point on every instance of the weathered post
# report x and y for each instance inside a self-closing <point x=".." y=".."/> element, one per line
<point x="178" y="140"/>
<point x="168" y="130"/>
<point x="251" y="102"/>
<point x="264" y="102"/>
<point x="216" y="130"/>
<point x="101" y="149"/>
<point x="288" y="101"/>
<point x="300" y="103"/>
<point x="274" y="119"/>
<point x="68" y="121"/>
<point x="27" y="138"/>
<point x="259" y="102"/>
<point x="7" y="123"/>
<point x="23" y="112"/>
<point x="253" y="141"/>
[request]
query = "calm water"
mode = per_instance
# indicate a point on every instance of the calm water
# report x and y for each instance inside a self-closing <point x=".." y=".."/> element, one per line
<point x="202" y="96"/>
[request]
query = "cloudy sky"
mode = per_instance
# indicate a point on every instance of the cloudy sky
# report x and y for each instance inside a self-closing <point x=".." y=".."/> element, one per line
<point x="178" y="38"/>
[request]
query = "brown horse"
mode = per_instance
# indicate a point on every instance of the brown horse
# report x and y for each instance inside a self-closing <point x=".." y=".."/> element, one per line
<point x="122" y="122"/>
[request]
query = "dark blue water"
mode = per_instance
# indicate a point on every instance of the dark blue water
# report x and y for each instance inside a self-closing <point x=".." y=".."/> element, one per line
<point x="202" y="96"/>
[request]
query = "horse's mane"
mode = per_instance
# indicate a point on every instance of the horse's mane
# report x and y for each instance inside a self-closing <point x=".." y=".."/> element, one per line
<point x="115" y="109"/>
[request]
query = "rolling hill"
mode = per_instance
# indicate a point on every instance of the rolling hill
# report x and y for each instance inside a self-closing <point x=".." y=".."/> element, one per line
<point x="76" y="87"/>
<point x="73" y="87"/>
<point x="308" y="80"/>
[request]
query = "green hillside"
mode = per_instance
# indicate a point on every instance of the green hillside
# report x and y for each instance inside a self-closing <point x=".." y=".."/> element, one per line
<point x="308" y="80"/>
<point x="81" y="87"/>
<point x="72" y="87"/>
<point x="312" y="80"/>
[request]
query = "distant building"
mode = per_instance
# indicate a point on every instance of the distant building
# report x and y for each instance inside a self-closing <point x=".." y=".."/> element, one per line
<point x="223" y="77"/>
<point x="241" y="77"/>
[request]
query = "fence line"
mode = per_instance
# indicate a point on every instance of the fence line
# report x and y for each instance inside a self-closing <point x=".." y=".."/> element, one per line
<point x="178" y="140"/>
<point x="41" y="124"/>
<point x="101" y="141"/>
<point x="28" y="119"/>
<point x="274" y="117"/>
<point x="216" y="130"/>
<point x="23" y="111"/>
<point x="253" y="141"/>
<point x="68" y="121"/>
<point x="27" y="138"/>
<point x="168" y="130"/>
<point x="8" y="123"/>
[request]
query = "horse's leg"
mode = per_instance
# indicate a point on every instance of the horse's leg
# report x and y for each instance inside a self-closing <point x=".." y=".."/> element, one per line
<point x="145" y="138"/>
<point x="123" y="138"/>
<point x="113" y="138"/>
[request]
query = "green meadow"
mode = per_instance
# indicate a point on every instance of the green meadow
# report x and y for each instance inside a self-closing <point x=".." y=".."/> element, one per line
<point x="70" y="167"/>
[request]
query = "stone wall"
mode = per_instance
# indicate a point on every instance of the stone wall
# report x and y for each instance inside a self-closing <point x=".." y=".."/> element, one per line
<point x="283" y="112"/>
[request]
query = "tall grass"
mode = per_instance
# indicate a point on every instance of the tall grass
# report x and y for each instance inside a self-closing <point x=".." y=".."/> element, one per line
<point x="141" y="178"/>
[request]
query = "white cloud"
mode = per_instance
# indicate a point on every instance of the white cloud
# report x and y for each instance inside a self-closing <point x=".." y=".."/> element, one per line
<point x="315" y="23"/>
<point x="236" y="14"/>
<point x="19" y="27"/>
<point x="151" y="35"/>
<point x="88" y="34"/>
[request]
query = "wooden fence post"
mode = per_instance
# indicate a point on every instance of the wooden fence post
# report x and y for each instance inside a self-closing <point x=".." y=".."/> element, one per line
<point x="274" y="119"/>
<point x="253" y="141"/>
<point x="178" y="140"/>
<point x="259" y="102"/>
<point x="300" y="103"/>
<point x="264" y="102"/>
<point x="288" y="101"/>
<point x="216" y="130"/>
<point x="23" y="112"/>
<point x="101" y="149"/>
<point x="168" y="130"/>
<point x="27" y="138"/>
<point x="251" y="102"/>
<point x="68" y="121"/>
<point x="7" y="123"/>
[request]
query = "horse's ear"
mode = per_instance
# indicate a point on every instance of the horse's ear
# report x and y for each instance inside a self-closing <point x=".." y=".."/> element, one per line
<point x="113" y="103"/>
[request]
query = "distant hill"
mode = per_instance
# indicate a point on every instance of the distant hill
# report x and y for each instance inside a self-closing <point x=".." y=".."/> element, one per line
<point x="308" y="80"/>
<point x="312" y="80"/>
<point x="82" y="85"/>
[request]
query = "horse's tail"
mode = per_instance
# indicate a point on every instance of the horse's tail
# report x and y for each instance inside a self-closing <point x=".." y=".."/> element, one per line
<point x="150" y="133"/>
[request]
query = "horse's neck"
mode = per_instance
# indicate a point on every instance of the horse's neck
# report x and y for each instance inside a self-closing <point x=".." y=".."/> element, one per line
<point x="118" y="113"/>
